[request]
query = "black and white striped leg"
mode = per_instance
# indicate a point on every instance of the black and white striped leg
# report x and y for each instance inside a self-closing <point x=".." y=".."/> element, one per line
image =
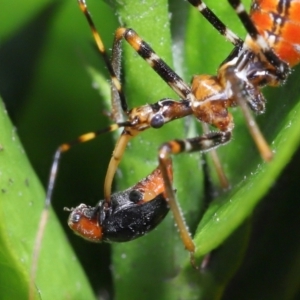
<point x="149" y="55"/>
<point x="217" y="23"/>
<point x="118" y="96"/>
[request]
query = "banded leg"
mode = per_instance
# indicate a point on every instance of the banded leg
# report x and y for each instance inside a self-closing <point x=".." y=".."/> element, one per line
<point x="217" y="23"/>
<point x="118" y="98"/>
<point x="203" y="143"/>
<point x="155" y="62"/>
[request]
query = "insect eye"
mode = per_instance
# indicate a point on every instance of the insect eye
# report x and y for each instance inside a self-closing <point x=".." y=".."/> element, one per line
<point x="157" y="121"/>
<point x="76" y="218"/>
<point x="135" y="196"/>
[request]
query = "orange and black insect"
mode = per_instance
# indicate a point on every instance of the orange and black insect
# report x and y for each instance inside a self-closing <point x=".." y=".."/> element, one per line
<point x="129" y="214"/>
<point x="251" y="65"/>
<point x="279" y="22"/>
<point x="271" y="47"/>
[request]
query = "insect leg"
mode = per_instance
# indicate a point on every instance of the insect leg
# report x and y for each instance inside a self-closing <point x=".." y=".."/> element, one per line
<point x="217" y="163"/>
<point x="156" y="63"/>
<point x="50" y="187"/>
<point x="118" y="97"/>
<point x="216" y="23"/>
<point x="202" y="143"/>
<point x="241" y="97"/>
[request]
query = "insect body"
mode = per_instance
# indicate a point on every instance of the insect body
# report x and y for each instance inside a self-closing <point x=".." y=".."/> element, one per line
<point x="129" y="214"/>
<point x="279" y="23"/>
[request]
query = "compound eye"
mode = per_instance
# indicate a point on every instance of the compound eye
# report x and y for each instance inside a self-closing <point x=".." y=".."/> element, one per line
<point x="76" y="218"/>
<point x="135" y="196"/>
<point x="157" y="121"/>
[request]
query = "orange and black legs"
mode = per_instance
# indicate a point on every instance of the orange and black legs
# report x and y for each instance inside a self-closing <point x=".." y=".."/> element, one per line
<point x="203" y="143"/>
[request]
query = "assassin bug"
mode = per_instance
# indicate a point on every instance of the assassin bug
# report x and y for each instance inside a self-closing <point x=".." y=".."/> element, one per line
<point x="139" y="119"/>
<point x="257" y="62"/>
<point x="251" y="65"/>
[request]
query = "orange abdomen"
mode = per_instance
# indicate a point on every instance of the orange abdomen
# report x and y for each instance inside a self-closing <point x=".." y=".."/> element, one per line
<point x="279" y="22"/>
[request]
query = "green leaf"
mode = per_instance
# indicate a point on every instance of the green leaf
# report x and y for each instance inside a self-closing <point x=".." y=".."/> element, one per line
<point x="59" y="274"/>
